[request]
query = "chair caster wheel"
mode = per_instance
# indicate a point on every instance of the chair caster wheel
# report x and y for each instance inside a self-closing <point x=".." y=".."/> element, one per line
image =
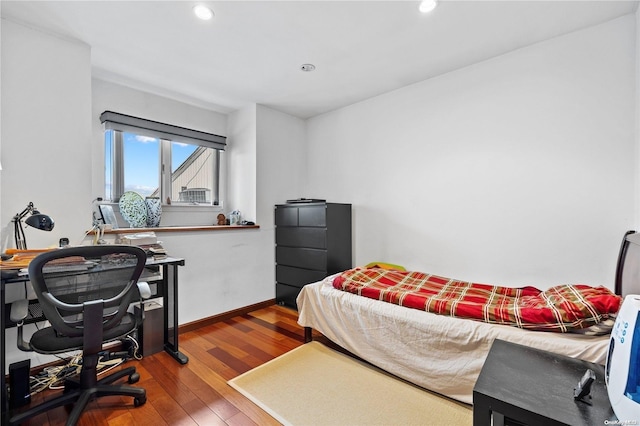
<point x="139" y="401"/>
<point x="134" y="378"/>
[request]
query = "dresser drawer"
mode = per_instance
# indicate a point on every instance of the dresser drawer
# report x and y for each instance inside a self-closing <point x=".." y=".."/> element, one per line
<point x="286" y="216"/>
<point x="301" y="237"/>
<point x="286" y="295"/>
<point x="302" y="257"/>
<point x="312" y="216"/>
<point x="296" y="276"/>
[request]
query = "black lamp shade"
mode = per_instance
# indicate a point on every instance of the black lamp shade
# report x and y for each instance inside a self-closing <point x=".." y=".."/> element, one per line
<point x="40" y="221"/>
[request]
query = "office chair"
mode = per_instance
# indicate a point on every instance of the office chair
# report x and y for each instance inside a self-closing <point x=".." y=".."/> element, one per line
<point x="84" y="293"/>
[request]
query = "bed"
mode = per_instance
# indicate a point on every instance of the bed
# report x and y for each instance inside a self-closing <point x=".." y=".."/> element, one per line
<point x="441" y="353"/>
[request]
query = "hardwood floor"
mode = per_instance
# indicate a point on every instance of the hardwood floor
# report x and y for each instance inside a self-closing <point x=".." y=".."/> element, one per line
<point x="197" y="393"/>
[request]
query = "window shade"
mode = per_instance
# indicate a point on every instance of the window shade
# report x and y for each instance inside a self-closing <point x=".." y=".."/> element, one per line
<point x="127" y="123"/>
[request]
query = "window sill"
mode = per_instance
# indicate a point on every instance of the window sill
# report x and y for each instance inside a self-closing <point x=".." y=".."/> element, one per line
<point x="179" y="229"/>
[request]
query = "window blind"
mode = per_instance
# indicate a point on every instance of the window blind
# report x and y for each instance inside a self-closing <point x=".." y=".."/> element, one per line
<point x="128" y="123"/>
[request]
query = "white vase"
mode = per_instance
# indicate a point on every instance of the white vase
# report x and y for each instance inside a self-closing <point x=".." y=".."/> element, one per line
<point x="154" y="211"/>
<point x="133" y="209"/>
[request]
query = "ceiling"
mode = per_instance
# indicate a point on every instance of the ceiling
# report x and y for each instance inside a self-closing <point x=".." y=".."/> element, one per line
<point x="251" y="52"/>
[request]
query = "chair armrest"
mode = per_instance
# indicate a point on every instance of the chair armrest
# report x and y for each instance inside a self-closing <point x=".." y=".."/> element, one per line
<point x="144" y="289"/>
<point x="19" y="310"/>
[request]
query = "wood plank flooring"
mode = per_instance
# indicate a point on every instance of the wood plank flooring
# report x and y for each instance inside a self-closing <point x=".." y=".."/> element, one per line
<point x="197" y="393"/>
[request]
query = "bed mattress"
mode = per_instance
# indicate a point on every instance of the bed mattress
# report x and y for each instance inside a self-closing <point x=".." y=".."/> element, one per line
<point x="440" y="353"/>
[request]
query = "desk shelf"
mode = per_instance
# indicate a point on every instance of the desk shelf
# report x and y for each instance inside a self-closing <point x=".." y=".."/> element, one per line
<point x="152" y="275"/>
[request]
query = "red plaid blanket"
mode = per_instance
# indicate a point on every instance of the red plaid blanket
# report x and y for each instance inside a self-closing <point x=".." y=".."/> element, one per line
<point x="562" y="308"/>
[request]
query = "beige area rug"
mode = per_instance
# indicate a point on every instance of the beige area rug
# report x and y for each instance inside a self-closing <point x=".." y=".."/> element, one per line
<point x="315" y="385"/>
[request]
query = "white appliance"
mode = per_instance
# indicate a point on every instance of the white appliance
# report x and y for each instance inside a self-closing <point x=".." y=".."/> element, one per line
<point x="622" y="370"/>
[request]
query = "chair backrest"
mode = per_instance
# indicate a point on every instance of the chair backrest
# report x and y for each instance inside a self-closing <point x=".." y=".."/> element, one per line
<point x="66" y="278"/>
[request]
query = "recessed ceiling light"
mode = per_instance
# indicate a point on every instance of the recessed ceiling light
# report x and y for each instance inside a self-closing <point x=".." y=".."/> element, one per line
<point x="427" y="6"/>
<point x="307" y="67"/>
<point x="203" y="12"/>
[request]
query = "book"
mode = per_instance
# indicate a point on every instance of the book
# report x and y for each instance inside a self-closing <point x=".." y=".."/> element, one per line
<point x="141" y="239"/>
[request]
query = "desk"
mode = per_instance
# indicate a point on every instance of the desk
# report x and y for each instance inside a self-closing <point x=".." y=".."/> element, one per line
<point x="169" y="291"/>
<point x="535" y="387"/>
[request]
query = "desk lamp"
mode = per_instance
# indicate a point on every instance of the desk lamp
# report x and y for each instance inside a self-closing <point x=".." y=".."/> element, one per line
<point x="36" y="220"/>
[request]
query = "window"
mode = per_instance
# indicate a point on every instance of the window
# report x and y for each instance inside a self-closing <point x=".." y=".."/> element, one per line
<point x="181" y="166"/>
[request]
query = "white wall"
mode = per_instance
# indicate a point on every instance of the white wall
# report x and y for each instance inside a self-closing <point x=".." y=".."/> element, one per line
<point x="518" y="170"/>
<point x="265" y="158"/>
<point x="46" y="141"/>
<point x="637" y="122"/>
<point x="46" y="132"/>
<point x="282" y="160"/>
<point x="268" y="160"/>
<point x="1" y="216"/>
<point x="241" y="158"/>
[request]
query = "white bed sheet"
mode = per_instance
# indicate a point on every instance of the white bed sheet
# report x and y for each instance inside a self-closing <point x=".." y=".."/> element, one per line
<point x="440" y="353"/>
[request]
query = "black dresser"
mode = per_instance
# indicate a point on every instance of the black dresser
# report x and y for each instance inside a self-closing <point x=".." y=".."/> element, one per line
<point x="313" y="240"/>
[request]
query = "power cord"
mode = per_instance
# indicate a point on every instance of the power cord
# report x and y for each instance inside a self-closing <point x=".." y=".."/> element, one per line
<point x="50" y="376"/>
<point x="136" y="348"/>
<point x="53" y="377"/>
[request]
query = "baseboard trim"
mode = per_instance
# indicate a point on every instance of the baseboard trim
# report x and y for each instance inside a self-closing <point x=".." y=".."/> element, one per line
<point x="194" y="325"/>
